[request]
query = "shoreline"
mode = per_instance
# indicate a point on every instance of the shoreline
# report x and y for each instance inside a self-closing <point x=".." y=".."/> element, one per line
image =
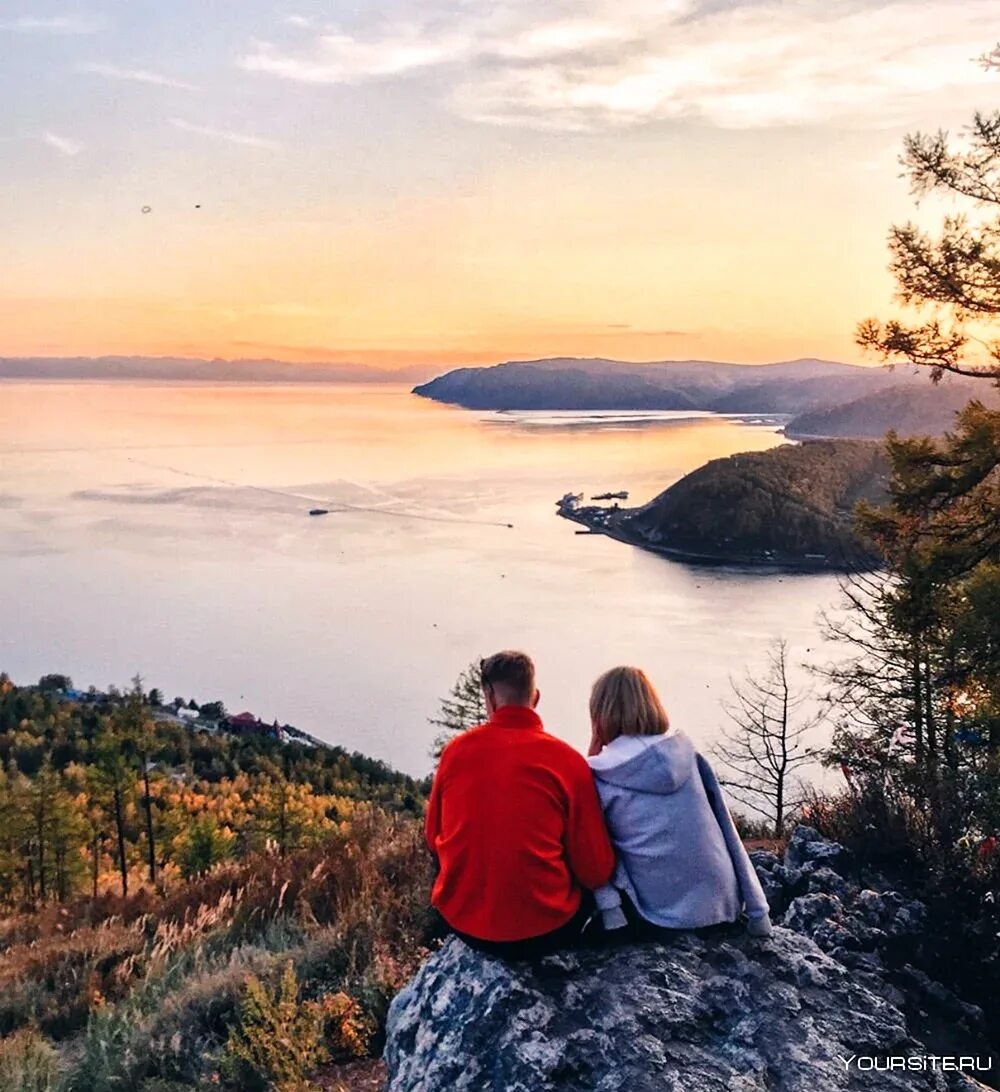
<point x="809" y="437"/>
<point x="706" y="559"/>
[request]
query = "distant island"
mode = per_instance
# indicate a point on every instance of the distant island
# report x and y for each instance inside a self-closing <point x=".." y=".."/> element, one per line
<point x="184" y="369"/>
<point x="569" y="383"/>
<point x="790" y="507"/>
<point x="823" y="398"/>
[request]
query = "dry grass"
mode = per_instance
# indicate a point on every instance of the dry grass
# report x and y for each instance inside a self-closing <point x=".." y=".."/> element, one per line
<point x="149" y="992"/>
<point x="772" y="845"/>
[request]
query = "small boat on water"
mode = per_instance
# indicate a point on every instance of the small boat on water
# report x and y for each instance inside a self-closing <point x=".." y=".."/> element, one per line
<point x="621" y="495"/>
<point x="319" y="511"/>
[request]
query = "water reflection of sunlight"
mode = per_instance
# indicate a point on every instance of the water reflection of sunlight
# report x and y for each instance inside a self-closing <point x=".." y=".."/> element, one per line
<point x="605" y="420"/>
<point x="250" y="596"/>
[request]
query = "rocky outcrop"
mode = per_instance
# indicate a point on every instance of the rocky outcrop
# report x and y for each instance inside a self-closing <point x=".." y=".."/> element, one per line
<point x="808" y="1010"/>
<point x="874" y="931"/>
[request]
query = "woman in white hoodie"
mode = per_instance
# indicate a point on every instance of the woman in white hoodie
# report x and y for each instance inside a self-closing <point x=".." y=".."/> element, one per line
<point x="681" y="863"/>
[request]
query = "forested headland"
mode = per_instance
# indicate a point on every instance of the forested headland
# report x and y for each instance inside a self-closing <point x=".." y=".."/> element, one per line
<point x="791" y="506"/>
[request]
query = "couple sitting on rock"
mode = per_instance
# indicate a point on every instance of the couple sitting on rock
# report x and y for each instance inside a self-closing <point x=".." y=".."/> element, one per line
<point x="532" y="841"/>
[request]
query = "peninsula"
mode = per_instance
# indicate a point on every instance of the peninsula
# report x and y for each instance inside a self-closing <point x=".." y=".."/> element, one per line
<point x="791" y="507"/>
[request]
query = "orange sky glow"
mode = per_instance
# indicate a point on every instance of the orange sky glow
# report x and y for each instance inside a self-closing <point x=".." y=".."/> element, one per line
<point x="680" y="180"/>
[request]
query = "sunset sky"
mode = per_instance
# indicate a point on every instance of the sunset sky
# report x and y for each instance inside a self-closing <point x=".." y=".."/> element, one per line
<point x="401" y="181"/>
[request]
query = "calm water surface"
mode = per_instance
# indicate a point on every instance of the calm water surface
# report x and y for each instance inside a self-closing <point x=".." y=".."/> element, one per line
<point x="150" y="529"/>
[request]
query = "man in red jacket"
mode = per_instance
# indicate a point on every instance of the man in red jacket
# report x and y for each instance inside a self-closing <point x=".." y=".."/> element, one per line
<point x="516" y="825"/>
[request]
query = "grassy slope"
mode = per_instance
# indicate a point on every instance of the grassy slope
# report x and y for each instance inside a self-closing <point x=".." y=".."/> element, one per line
<point x="139" y="993"/>
<point x="134" y="993"/>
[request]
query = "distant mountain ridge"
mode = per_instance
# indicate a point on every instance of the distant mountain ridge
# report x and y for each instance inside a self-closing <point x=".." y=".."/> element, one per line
<point x="217" y="370"/>
<point x="564" y="383"/>
<point x="911" y="411"/>
<point x="823" y="398"/>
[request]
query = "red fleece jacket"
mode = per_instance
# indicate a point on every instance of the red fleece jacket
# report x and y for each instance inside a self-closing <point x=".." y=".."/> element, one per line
<point x="517" y="828"/>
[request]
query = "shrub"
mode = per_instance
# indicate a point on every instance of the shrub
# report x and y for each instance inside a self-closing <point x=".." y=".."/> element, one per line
<point x="53" y="981"/>
<point x="752" y="828"/>
<point x="959" y="881"/>
<point x="905" y="837"/>
<point x="203" y="844"/>
<point x="282" y="1040"/>
<point x="27" y="1064"/>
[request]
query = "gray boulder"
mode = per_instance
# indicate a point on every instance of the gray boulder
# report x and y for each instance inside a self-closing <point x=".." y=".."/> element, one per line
<point x="807" y="844"/>
<point x="961" y="1017"/>
<point x="808" y="911"/>
<point x="698" y="1013"/>
<point x="840" y="918"/>
<point x="724" y="1013"/>
<point x="819" y="877"/>
<point x="776" y="880"/>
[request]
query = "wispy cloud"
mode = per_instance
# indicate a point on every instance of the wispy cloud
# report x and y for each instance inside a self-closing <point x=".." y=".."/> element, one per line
<point x="604" y="64"/>
<point x="339" y="58"/>
<point x="63" y="145"/>
<point x="135" y="75"/>
<point x="53" y="24"/>
<point x="246" y="139"/>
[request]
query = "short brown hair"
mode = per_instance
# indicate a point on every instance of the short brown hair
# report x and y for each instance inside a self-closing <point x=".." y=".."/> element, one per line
<point x="511" y="672"/>
<point x="624" y="703"/>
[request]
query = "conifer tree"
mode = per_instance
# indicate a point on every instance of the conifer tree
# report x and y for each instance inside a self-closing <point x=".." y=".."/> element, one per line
<point x="112" y="782"/>
<point x="464" y="707"/>
<point x="951" y="279"/>
<point x="137" y="730"/>
<point x="920" y="698"/>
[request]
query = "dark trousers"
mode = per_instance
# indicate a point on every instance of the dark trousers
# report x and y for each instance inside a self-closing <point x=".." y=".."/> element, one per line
<point x="571" y="935"/>
<point x="638" y="930"/>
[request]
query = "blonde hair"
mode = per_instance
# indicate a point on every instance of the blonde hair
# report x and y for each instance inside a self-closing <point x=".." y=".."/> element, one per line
<point x="624" y="703"/>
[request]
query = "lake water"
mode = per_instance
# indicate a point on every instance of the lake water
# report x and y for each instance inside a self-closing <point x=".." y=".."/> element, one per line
<point x="149" y="529"/>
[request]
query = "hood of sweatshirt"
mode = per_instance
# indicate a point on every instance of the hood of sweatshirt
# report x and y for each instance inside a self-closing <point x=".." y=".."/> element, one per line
<point x="652" y="764"/>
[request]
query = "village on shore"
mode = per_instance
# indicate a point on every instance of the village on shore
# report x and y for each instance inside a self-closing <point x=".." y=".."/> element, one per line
<point x="211" y="717"/>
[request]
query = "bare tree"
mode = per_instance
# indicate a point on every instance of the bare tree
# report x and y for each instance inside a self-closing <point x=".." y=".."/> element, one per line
<point x="765" y="744"/>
